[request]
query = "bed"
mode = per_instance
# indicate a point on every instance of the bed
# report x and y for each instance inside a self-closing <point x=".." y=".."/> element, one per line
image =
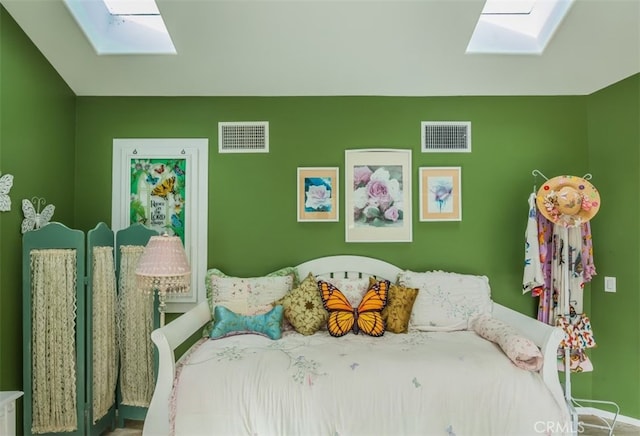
<point x="422" y="382"/>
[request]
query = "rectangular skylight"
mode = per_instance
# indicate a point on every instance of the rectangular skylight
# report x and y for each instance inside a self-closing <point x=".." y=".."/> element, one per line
<point x="507" y="6"/>
<point x="132" y="7"/>
<point x="517" y="26"/>
<point x="122" y="26"/>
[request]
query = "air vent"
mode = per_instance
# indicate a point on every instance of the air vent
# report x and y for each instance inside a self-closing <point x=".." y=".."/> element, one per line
<point x="243" y="137"/>
<point x="446" y="136"/>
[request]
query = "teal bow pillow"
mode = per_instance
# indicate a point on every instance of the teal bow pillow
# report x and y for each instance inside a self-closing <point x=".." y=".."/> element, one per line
<point x="227" y="323"/>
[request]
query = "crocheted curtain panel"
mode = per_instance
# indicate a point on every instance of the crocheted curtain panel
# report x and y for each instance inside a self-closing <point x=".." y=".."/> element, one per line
<point x="135" y="323"/>
<point x="53" y="312"/>
<point x="104" y="334"/>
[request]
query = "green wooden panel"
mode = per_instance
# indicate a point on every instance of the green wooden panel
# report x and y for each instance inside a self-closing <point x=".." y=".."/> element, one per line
<point x="53" y="236"/>
<point x="136" y="234"/>
<point x="100" y="236"/>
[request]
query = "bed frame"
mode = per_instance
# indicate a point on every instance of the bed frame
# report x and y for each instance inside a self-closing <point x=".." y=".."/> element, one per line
<point x="172" y="335"/>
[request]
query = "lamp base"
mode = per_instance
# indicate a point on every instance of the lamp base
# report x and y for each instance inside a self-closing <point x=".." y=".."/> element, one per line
<point x="162" y="306"/>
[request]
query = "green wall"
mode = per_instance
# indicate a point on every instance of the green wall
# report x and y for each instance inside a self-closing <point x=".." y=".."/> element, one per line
<point x="252" y="197"/>
<point x="37" y="143"/>
<point x="56" y="144"/>
<point x="614" y="161"/>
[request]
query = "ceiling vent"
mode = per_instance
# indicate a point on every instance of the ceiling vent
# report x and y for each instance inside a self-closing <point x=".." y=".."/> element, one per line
<point x="446" y="136"/>
<point x="243" y="137"/>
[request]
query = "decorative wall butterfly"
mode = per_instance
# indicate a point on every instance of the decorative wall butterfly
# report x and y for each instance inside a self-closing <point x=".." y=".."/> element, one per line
<point x="34" y="218"/>
<point x="366" y="317"/>
<point x="6" y="182"/>
<point x="165" y="188"/>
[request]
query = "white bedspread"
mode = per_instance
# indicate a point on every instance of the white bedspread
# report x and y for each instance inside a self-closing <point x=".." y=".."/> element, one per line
<point x="444" y="383"/>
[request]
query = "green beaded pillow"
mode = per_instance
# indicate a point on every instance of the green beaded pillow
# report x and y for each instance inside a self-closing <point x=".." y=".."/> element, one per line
<point x="303" y="307"/>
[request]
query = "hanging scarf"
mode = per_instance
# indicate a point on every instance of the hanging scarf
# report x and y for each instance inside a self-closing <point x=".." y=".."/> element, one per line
<point x="578" y="336"/>
<point x="532" y="280"/>
<point x="588" y="267"/>
<point x="545" y="243"/>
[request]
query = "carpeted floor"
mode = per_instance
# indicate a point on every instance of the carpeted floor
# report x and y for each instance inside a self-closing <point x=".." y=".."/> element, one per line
<point x="620" y="428"/>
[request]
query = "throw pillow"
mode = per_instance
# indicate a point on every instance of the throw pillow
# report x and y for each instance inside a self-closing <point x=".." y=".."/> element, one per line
<point x="446" y="301"/>
<point x="352" y="288"/>
<point x="229" y="323"/>
<point x="522" y="351"/>
<point x="303" y="307"/>
<point x="366" y="317"/>
<point x="246" y="296"/>
<point x="397" y="312"/>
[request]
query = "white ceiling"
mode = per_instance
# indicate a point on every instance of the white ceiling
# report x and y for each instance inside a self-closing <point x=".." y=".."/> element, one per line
<point x="333" y="47"/>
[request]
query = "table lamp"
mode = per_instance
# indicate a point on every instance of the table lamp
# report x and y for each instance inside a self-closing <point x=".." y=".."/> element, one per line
<point x="163" y="268"/>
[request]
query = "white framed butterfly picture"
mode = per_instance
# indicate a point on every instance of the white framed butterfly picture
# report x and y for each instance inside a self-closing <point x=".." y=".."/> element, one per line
<point x="35" y="215"/>
<point x="6" y="182"/>
<point x="161" y="183"/>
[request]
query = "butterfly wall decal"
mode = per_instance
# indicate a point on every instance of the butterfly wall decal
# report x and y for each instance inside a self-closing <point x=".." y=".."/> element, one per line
<point x="34" y="217"/>
<point x="6" y="182"/>
<point x="343" y="317"/>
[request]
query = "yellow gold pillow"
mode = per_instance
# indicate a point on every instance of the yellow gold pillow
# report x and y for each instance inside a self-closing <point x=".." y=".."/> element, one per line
<point x="397" y="313"/>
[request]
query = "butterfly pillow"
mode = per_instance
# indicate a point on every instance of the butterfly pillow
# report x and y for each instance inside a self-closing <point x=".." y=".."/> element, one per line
<point x="343" y="317"/>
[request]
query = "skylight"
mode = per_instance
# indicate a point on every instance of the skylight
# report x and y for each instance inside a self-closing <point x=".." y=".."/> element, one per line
<point x="132" y="7"/>
<point x="122" y="26"/>
<point x="517" y="26"/>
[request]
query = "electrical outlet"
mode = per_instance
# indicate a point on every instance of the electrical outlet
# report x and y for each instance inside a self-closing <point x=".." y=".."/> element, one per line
<point x="609" y="284"/>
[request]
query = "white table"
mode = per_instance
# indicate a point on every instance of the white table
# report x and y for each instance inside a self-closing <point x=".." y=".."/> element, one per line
<point x="8" y="412"/>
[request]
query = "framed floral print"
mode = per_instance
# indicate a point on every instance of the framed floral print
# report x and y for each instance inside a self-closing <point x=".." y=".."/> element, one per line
<point x="378" y="195"/>
<point x="440" y="194"/>
<point x="318" y="194"/>
<point x="162" y="183"/>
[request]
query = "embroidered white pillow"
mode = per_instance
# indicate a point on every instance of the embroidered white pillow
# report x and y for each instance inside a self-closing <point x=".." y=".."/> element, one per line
<point x="446" y="301"/>
<point x="246" y="296"/>
<point x="255" y="292"/>
<point x="352" y="288"/>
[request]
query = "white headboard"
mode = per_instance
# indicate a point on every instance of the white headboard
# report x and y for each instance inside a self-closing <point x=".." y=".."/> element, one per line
<point x="349" y="266"/>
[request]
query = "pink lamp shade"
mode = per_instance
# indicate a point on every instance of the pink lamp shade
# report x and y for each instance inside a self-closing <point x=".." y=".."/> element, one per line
<point x="163" y="266"/>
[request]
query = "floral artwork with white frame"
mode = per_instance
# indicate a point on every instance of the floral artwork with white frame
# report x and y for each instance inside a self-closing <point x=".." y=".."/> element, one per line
<point x="163" y="183"/>
<point x="440" y="194"/>
<point x="378" y="195"/>
<point x="318" y="194"/>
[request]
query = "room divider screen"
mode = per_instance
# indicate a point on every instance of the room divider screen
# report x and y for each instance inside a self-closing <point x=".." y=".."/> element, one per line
<point x="78" y="303"/>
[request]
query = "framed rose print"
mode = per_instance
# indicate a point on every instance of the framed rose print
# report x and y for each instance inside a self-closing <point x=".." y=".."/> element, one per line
<point x="318" y="194"/>
<point x="378" y="195"/>
<point x="162" y="183"/>
<point x="440" y="194"/>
